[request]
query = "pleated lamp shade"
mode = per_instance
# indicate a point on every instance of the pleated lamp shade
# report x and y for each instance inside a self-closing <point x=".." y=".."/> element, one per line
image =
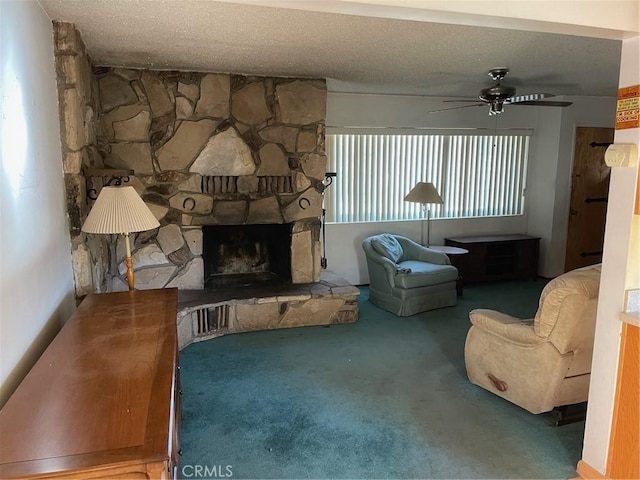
<point x="119" y="210"/>
<point x="424" y="193"/>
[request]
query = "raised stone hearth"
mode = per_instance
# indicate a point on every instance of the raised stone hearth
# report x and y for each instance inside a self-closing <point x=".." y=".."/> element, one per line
<point x="208" y="314"/>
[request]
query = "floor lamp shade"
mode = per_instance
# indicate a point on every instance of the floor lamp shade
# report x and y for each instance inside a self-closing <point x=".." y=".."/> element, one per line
<point x="120" y="210"/>
<point x="424" y="193"/>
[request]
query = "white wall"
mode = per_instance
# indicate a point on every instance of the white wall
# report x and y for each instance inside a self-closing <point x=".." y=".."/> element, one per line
<point x="36" y="282"/>
<point x="604" y="369"/>
<point x="593" y="18"/>
<point x="548" y="184"/>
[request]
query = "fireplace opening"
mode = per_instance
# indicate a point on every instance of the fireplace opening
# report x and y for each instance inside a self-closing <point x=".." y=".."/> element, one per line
<point x="242" y="255"/>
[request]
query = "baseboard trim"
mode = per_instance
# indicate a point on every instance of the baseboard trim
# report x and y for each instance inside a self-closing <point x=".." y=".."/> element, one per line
<point x="586" y="471"/>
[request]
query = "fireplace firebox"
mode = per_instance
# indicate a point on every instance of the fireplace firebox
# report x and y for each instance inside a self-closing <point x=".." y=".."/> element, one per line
<point x="237" y="255"/>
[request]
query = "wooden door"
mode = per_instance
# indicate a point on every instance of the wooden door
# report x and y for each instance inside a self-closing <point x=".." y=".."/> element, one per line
<point x="589" y="193"/>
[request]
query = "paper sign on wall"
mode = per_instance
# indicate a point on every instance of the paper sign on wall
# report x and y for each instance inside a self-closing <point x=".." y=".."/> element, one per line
<point x="628" y="108"/>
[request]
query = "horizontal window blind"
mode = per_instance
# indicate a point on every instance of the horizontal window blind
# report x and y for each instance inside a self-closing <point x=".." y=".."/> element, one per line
<point x="476" y="175"/>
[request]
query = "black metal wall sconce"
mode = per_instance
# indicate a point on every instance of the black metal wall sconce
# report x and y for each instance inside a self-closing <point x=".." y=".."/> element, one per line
<point x="110" y="178"/>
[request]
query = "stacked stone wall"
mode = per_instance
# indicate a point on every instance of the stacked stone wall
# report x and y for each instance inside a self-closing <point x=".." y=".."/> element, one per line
<point x="79" y="132"/>
<point x="210" y="149"/>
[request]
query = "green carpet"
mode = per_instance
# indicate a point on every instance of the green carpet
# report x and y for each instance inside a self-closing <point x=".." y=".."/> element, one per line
<point x="386" y="397"/>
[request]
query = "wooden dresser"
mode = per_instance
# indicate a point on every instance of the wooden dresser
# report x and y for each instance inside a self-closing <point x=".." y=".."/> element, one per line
<point x="497" y="257"/>
<point x="103" y="401"/>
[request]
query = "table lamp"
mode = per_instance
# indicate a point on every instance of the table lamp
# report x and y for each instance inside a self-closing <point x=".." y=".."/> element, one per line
<point x="425" y="194"/>
<point x="120" y="210"/>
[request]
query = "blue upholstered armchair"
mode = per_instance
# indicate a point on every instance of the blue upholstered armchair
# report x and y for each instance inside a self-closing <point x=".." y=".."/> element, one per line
<point x="407" y="278"/>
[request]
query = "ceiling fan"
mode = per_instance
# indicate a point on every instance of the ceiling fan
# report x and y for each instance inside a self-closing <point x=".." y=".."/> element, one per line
<point x="498" y="95"/>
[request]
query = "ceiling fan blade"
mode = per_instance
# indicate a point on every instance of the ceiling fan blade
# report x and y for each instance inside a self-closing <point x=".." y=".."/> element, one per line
<point x="475" y="100"/>
<point x="542" y="103"/>
<point x="457" y="108"/>
<point x="529" y="97"/>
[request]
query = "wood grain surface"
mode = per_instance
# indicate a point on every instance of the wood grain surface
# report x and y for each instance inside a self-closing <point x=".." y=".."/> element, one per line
<point x="624" y="449"/>
<point x="101" y="394"/>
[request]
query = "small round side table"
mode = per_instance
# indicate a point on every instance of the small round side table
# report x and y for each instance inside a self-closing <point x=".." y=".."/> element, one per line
<point x="455" y="254"/>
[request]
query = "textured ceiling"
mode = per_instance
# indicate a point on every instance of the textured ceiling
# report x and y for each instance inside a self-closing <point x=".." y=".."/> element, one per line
<point x="355" y="53"/>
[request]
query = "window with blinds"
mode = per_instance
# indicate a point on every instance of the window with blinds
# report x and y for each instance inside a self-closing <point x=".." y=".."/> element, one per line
<point x="476" y="175"/>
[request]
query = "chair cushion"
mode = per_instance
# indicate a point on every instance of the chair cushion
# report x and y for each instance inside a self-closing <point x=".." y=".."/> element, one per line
<point x="424" y="274"/>
<point x="387" y="246"/>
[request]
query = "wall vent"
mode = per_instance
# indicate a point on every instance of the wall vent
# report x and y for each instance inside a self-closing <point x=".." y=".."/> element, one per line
<point x="210" y="320"/>
<point x="228" y="185"/>
<point x="219" y="184"/>
<point x="275" y="184"/>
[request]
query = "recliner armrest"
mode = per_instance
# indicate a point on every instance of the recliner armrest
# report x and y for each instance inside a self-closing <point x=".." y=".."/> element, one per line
<point x="505" y="326"/>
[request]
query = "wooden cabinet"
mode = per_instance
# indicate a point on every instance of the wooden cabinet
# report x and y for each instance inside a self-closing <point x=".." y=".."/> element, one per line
<point x="103" y="399"/>
<point x="497" y="257"/>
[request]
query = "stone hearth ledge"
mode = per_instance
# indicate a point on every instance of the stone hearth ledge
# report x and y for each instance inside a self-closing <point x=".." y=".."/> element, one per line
<point x="332" y="300"/>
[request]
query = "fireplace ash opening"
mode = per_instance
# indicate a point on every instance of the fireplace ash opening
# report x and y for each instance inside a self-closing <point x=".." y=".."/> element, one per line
<point x="242" y="255"/>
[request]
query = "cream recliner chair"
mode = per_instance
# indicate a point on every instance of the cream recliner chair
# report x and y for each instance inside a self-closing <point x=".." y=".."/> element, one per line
<point x="544" y="362"/>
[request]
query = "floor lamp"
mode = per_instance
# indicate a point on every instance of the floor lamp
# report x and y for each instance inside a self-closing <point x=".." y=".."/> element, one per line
<point x="425" y="194"/>
<point x="120" y="210"/>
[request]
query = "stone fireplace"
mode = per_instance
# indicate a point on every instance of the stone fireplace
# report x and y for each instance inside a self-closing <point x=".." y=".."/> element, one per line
<point x="207" y="152"/>
<point x="214" y="150"/>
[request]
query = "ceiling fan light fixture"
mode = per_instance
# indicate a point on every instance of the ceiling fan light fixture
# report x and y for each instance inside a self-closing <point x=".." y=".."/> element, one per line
<point x="496" y="108"/>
